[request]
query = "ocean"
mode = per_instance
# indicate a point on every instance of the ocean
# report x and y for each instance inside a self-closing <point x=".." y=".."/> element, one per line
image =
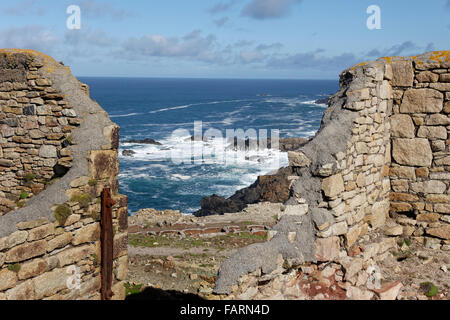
<point x="173" y="175"/>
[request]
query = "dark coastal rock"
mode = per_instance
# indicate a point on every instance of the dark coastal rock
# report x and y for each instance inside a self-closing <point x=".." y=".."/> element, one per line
<point x="322" y="101"/>
<point x="269" y="188"/>
<point x="218" y="205"/>
<point x="128" y="153"/>
<point x="144" y="141"/>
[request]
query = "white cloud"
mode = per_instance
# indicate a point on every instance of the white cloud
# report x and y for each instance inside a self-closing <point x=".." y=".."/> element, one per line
<point x="88" y="37"/>
<point x="251" y="56"/>
<point x="313" y="60"/>
<point x="192" y="46"/>
<point x="28" y="37"/>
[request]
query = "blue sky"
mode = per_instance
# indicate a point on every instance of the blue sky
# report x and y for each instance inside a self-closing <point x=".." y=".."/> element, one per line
<point x="301" y="39"/>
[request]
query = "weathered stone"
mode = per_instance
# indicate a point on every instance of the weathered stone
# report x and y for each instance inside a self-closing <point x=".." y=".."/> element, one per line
<point x="357" y="201"/>
<point x="400" y="207"/>
<point x="445" y="161"/>
<point x="402" y="126"/>
<point x="69" y="113"/>
<point x="431" y="186"/>
<point x="440" y="86"/>
<point x="402" y="172"/>
<point x="50" y="283"/>
<point x="338" y="229"/>
<point x="442" y="208"/>
<point x="389" y="291"/>
<point x="41" y="232"/>
<point x="104" y="164"/>
<point x="428" y="217"/>
<point x="59" y="241"/>
<point x="412" y="152"/>
<point x="444" y="77"/>
<point x="25" y="225"/>
<point x="8" y="279"/>
<point x="32" y="269"/>
<point x="398" y="196"/>
<point x="13" y="240"/>
<point x="432" y="132"/>
<point x="111" y="134"/>
<point x="44" y="110"/>
<point x="403" y="73"/>
<point x="333" y="185"/>
<point x="438" y="119"/>
<point x="294" y="210"/>
<point x="441" y="232"/>
<point x="436" y="198"/>
<point x="422" y="101"/>
<point x="74" y="255"/>
<point x="422" y="172"/>
<point x="379" y="214"/>
<point x="394" y="231"/>
<point x="352" y="235"/>
<point x="298" y="159"/>
<point x="79" y="182"/>
<point x="86" y="234"/>
<point x="23" y="291"/>
<point x="427" y="76"/>
<point x="447" y="107"/>
<point x="385" y="90"/>
<point x="48" y="151"/>
<point x="119" y="291"/>
<point x="122" y="268"/>
<point x="26" y="251"/>
<point x="327" y="249"/>
<point x="120" y="244"/>
<point x="351" y="266"/>
<point x="355" y="293"/>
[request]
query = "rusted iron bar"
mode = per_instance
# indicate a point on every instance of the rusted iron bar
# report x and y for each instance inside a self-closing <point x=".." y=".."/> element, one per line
<point x="107" y="242"/>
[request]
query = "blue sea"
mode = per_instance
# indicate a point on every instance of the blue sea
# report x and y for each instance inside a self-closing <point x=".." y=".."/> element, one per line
<point x="164" y="177"/>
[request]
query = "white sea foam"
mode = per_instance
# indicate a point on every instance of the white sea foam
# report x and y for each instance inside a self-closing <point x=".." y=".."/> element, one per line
<point x="313" y="103"/>
<point x="195" y="104"/>
<point x="124" y="115"/>
<point x="180" y="177"/>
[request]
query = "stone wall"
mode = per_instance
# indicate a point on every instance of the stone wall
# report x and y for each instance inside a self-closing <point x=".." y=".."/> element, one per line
<point x="388" y="124"/>
<point x="35" y="122"/>
<point x="420" y="172"/>
<point x="59" y="148"/>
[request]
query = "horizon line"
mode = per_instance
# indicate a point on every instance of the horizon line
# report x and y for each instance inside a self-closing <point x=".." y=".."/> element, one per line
<point x="208" y="78"/>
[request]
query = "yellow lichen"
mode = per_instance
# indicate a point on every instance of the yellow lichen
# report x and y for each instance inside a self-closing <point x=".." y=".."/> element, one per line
<point x="387" y="59"/>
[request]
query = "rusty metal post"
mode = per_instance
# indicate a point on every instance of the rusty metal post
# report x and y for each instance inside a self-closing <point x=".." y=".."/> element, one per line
<point x="107" y="242"/>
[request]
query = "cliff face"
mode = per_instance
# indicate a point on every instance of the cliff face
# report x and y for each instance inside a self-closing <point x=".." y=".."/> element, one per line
<point x="58" y="151"/>
<point x="382" y="148"/>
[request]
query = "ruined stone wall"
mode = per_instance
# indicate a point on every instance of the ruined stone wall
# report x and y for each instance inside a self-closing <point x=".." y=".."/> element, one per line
<point x="420" y="172"/>
<point x="35" y="124"/>
<point x="386" y="125"/>
<point x="59" y="147"/>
